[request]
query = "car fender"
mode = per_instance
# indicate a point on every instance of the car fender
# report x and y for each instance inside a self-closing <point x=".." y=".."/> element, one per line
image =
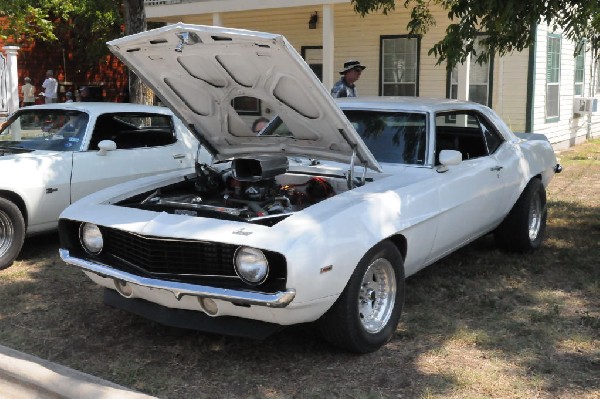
<point x="356" y="221"/>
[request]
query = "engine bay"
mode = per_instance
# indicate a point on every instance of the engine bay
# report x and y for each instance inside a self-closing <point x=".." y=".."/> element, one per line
<point x="260" y="191"/>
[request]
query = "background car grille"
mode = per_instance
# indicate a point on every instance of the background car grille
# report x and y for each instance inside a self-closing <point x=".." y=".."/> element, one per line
<point x="167" y="256"/>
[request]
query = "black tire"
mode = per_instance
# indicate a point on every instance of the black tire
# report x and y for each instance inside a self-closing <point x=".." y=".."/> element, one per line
<point x="345" y="324"/>
<point x="524" y="227"/>
<point x="12" y="232"/>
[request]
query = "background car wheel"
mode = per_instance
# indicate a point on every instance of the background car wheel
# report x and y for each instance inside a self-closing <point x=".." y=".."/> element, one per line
<point x="524" y="227"/>
<point x="12" y="232"/>
<point x="366" y="314"/>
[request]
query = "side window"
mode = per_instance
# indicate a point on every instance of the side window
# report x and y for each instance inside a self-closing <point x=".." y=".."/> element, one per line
<point x="133" y="130"/>
<point x="493" y="139"/>
<point x="460" y="131"/>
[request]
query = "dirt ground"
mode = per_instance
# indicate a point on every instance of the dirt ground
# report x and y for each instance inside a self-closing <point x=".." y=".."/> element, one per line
<point x="479" y="324"/>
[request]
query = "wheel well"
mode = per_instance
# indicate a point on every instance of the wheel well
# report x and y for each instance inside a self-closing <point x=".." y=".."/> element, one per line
<point x="540" y="178"/>
<point x="400" y="242"/>
<point x="17" y="200"/>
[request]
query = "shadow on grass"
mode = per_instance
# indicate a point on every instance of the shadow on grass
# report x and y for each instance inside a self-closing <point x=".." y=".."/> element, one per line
<point x="537" y="314"/>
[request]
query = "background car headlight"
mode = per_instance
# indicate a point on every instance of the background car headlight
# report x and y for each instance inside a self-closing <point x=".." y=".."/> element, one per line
<point x="251" y="265"/>
<point x="91" y="238"/>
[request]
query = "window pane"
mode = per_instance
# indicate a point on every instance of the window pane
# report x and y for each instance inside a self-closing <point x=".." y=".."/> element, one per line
<point x="399" y="90"/>
<point x="478" y="93"/>
<point x="580" y="70"/>
<point x="553" y="67"/>
<point x="399" y="71"/>
<point x="552" y="101"/>
<point x="392" y="137"/>
<point x="478" y="79"/>
<point x="460" y="131"/>
<point x="553" y="77"/>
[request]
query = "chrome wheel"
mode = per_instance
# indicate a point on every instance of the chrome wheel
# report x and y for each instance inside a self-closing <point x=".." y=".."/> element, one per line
<point x="377" y="296"/>
<point x="7" y="233"/>
<point x="535" y="216"/>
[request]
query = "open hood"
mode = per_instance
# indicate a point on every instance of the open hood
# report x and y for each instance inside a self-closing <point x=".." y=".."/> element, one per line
<point x="197" y="71"/>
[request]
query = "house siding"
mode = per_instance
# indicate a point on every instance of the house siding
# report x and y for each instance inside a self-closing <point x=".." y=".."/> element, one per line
<point x="570" y="128"/>
<point x="357" y="37"/>
<point x="510" y="89"/>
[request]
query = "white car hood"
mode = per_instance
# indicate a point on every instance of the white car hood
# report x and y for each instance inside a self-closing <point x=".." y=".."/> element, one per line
<point x="198" y="70"/>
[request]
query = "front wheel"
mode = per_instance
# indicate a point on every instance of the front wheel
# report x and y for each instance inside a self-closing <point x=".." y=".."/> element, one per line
<point x="524" y="228"/>
<point x="367" y="312"/>
<point x="12" y="232"/>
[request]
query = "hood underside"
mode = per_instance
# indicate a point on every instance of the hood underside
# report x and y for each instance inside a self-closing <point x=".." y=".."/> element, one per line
<point x="198" y="71"/>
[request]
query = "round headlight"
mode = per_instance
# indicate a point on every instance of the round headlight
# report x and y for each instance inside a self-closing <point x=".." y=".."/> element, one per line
<point x="91" y="238"/>
<point x="251" y="265"/>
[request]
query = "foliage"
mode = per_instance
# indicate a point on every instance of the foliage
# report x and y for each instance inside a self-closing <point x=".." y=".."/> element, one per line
<point x="82" y="26"/>
<point x="507" y="24"/>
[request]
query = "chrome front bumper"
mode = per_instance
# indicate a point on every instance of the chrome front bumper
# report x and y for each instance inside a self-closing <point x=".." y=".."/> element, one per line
<point x="276" y="300"/>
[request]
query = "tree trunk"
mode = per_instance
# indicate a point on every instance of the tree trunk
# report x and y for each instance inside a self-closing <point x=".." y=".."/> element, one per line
<point x="135" y="22"/>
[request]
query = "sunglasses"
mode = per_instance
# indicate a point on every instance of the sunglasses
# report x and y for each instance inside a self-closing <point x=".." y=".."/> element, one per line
<point x="359" y="70"/>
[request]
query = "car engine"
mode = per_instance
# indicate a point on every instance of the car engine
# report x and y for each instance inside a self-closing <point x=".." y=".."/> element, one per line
<point x="252" y="190"/>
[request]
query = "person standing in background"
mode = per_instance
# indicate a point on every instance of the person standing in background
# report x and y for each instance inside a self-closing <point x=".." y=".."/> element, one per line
<point x="50" y="86"/>
<point x="69" y="97"/>
<point x="350" y="74"/>
<point x="84" y="94"/>
<point x="28" y="91"/>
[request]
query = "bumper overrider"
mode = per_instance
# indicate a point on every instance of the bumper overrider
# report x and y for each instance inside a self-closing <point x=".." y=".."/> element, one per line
<point x="279" y="299"/>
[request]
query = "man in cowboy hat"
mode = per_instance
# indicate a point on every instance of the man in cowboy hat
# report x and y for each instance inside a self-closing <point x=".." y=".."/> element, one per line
<point x="350" y="74"/>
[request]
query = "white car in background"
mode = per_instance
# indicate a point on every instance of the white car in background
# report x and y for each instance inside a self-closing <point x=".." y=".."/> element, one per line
<point x="320" y="217"/>
<point x="51" y="155"/>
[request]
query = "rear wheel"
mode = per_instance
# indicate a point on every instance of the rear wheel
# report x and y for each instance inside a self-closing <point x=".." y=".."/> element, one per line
<point x="366" y="314"/>
<point x="12" y="232"/>
<point x="524" y="228"/>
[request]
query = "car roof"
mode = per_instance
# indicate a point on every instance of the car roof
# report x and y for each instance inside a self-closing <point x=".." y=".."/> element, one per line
<point x="103" y="107"/>
<point x="408" y="104"/>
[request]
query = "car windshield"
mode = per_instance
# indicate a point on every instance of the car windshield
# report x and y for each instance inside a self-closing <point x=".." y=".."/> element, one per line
<point x="392" y="137"/>
<point x="52" y="130"/>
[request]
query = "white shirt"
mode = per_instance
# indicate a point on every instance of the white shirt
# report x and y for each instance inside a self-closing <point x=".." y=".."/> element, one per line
<point x="51" y="85"/>
<point x="28" y="93"/>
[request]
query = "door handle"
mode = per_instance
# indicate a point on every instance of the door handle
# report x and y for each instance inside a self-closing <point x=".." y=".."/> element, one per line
<point x="178" y="156"/>
<point x="497" y="168"/>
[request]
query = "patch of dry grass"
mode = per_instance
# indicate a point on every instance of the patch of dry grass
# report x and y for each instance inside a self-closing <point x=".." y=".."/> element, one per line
<point x="478" y="324"/>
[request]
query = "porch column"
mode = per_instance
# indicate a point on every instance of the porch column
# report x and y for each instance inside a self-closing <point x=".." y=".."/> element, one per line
<point x="216" y="19"/>
<point x="12" y="83"/>
<point x="328" y="47"/>
<point x="464" y="70"/>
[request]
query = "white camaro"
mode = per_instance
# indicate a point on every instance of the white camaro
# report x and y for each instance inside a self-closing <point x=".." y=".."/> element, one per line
<point x="320" y="217"/>
<point x="52" y="155"/>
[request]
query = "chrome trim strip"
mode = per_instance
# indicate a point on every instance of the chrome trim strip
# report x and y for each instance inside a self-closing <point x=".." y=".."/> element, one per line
<point x="277" y="300"/>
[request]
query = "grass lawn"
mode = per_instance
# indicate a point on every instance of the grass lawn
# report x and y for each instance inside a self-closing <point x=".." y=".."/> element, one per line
<point x="478" y="324"/>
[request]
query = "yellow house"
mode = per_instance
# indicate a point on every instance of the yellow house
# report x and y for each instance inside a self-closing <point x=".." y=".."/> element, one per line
<point x="543" y="89"/>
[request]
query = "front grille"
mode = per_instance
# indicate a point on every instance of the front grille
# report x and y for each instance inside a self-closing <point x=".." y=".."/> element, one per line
<point x="155" y="255"/>
<point x="187" y="261"/>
